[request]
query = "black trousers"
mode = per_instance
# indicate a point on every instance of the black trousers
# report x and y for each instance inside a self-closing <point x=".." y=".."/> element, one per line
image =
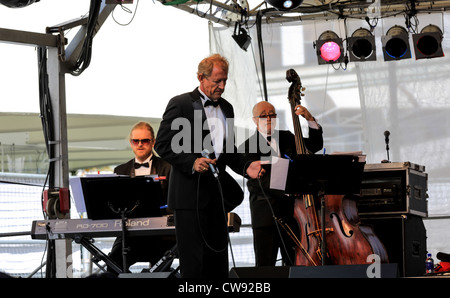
<point x="267" y="241"/>
<point x="202" y="241"/>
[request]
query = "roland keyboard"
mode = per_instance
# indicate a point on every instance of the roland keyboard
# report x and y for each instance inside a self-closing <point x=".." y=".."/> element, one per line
<point x="73" y="228"/>
<point x="88" y="228"/>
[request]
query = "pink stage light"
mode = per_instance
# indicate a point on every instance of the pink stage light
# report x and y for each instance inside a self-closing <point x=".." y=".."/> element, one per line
<point x="330" y="51"/>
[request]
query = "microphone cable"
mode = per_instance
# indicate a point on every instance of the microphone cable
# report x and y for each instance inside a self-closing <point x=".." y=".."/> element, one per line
<point x="271" y="211"/>
<point x="275" y="220"/>
<point x="225" y="219"/>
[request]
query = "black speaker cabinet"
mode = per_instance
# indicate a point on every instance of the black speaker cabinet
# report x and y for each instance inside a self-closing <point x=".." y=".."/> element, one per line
<point x="405" y="240"/>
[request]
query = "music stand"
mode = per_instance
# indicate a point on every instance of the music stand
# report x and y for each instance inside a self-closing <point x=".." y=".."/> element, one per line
<point x="324" y="174"/>
<point x="122" y="197"/>
<point x="103" y="195"/>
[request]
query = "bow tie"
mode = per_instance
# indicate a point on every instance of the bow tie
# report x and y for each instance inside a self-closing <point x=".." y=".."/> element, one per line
<point x="269" y="138"/>
<point x="138" y="165"/>
<point x="212" y="103"/>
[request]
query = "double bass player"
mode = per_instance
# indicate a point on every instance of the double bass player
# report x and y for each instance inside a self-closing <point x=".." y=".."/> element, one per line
<point x="265" y="203"/>
<point x="338" y="226"/>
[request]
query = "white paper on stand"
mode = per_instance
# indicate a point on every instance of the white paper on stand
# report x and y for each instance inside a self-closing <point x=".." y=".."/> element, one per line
<point x="279" y="173"/>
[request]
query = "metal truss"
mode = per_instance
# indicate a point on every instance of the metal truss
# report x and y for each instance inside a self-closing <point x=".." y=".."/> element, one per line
<point x="228" y="12"/>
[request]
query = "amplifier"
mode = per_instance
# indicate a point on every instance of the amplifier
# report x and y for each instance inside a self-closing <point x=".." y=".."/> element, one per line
<point x="394" y="188"/>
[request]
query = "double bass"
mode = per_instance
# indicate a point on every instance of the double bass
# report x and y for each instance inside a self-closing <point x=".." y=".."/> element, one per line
<point x="346" y="240"/>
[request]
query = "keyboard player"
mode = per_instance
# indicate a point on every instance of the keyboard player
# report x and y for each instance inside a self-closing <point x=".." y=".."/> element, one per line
<point x="143" y="248"/>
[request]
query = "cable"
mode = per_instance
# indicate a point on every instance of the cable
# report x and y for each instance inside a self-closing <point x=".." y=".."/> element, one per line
<point x="84" y="59"/>
<point x="261" y="52"/>
<point x="275" y="220"/>
<point x="372" y="26"/>
<point x="256" y="67"/>
<point x="225" y="217"/>
<point x="48" y="127"/>
<point x="271" y="210"/>
<point x="226" y="221"/>
<point x="126" y="9"/>
<point x="46" y="115"/>
<point x="46" y="110"/>
<point x="326" y="88"/>
<point x="47" y="239"/>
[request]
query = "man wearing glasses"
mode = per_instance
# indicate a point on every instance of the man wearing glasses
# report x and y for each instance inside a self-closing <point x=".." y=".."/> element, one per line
<point x="266" y="203"/>
<point x="143" y="248"/>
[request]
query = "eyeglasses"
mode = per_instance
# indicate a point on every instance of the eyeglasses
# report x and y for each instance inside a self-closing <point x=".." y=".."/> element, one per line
<point x="136" y="142"/>
<point x="264" y="116"/>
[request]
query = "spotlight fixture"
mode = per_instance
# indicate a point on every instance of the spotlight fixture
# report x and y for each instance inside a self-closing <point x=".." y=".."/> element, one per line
<point x="361" y="46"/>
<point x="285" y="4"/>
<point x="396" y="44"/>
<point x="329" y="48"/>
<point x="241" y="37"/>
<point x="17" y="3"/>
<point x="427" y="44"/>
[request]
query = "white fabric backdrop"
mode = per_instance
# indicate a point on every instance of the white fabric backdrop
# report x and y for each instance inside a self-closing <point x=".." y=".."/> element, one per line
<point x="355" y="106"/>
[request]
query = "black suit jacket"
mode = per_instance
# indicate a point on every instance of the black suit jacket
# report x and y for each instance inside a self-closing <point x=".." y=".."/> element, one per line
<point x="283" y="207"/>
<point x="181" y="138"/>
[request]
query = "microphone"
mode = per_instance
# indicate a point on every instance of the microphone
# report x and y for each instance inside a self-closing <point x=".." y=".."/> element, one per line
<point x="386" y="139"/>
<point x="205" y="153"/>
<point x="386" y="136"/>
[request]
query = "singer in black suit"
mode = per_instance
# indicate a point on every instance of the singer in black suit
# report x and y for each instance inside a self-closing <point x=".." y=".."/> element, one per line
<point x="143" y="248"/>
<point x="189" y="126"/>
<point x="265" y="203"/>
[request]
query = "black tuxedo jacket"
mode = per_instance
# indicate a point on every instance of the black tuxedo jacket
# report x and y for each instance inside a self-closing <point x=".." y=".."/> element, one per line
<point x="281" y="205"/>
<point x="182" y="136"/>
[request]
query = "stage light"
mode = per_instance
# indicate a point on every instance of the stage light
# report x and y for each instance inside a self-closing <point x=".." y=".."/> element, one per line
<point x="285" y="4"/>
<point x="396" y="44"/>
<point x="427" y="44"/>
<point x="329" y="48"/>
<point x="241" y="37"/>
<point x="361" y="46"/>
<point x="17" y="3"/>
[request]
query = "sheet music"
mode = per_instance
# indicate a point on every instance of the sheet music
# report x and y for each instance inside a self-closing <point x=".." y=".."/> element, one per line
<point x="279" y="173"/>
<point x="77" y="194"/>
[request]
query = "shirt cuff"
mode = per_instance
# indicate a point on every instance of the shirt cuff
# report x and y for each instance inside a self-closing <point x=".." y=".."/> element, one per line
<point x="313" y="124"/>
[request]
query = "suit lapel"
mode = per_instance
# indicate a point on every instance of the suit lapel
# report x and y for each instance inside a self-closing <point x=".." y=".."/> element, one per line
<point x="197" y="106"/>
<point x="197" y="103"/>
<point x="226" y="108"/>
<point x="155" y="166"/>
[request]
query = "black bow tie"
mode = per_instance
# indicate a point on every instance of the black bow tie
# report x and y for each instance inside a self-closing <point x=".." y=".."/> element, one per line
<point x="212" y="103"/>
<point x="269" y="138"/>
<point x="138" y="165"/>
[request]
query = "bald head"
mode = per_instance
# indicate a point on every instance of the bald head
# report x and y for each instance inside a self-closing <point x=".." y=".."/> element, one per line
<point x="261" y="106"/>
<point x="266" y="123"/>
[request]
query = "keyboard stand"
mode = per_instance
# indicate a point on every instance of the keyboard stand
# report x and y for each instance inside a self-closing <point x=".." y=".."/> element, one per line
<point x="98" y="254"/>
<point x="163" y="265"/>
